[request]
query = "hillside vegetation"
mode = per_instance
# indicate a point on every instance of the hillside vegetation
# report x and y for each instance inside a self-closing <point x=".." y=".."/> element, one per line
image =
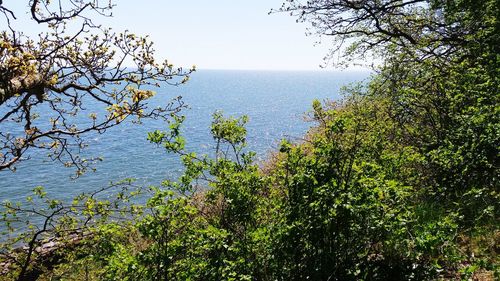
<point x="397" y="181"/>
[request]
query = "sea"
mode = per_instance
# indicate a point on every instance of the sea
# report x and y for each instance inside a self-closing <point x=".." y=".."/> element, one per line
<point x="276" y="103"/>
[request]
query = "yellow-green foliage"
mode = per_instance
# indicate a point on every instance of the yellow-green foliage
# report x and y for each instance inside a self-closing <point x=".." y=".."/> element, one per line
<point x="399" y="181"/>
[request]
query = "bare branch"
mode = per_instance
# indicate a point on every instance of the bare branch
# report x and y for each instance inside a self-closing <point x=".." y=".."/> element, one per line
<point x="66" y="68"/>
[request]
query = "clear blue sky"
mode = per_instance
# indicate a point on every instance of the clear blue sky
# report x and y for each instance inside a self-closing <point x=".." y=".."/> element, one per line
<point x="222" y="34"/>
<point x="218" y="34"/>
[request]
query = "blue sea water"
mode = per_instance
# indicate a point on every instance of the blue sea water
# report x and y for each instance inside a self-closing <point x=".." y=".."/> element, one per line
<point x="275" y="102"/>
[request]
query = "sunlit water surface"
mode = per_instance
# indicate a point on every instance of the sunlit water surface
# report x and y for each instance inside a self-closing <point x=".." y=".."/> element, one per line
<point x="274" y="101"/>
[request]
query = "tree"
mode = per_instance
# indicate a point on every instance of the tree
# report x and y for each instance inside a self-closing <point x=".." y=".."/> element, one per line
<point x="422" y="29"/>
<point x="439" y="69"/>
<point x="438" y="78"/>
<point x="74" y="63"/>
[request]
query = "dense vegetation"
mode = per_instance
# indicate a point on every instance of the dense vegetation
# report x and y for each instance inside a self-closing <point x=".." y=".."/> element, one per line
<point x="398" y="181"/>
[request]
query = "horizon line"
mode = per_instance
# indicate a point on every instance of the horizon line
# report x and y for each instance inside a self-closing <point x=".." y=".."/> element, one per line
<point x="358" y="69"/>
